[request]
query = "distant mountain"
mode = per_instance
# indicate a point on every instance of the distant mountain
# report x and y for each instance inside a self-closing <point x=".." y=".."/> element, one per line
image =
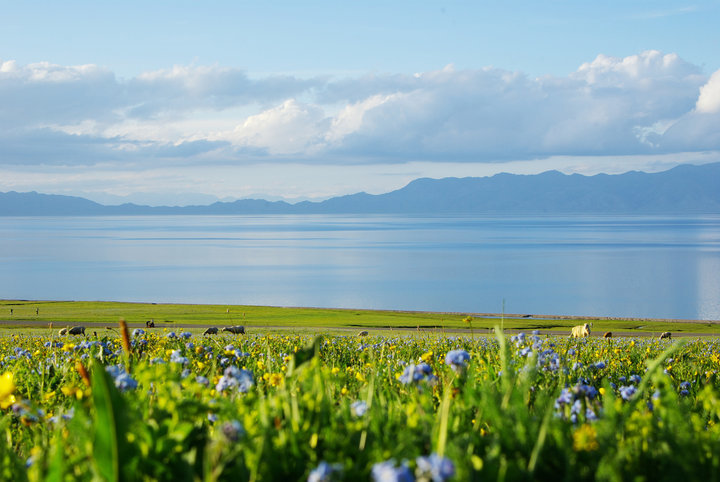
<point x="684" y="189"/>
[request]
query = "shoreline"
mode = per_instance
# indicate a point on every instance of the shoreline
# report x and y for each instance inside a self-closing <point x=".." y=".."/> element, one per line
<point x="479" y="315"/>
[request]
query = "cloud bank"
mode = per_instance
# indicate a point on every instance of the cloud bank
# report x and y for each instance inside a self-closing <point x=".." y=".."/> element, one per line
<point x="646" y="104"/>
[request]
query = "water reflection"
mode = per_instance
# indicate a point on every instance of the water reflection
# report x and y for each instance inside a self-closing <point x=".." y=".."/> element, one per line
<point x="660" y="267"/>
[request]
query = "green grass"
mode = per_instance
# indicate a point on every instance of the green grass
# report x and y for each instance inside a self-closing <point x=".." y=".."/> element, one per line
<point x="263" y="318"/>
<point x="275" y="407"/>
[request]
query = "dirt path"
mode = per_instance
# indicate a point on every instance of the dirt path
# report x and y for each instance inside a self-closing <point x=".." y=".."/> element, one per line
<point x="103" y="327"/>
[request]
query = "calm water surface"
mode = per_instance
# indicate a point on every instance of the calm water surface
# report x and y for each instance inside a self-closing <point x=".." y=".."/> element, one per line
<point x="661" y="267"/>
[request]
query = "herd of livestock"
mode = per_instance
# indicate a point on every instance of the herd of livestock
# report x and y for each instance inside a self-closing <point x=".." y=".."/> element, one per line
<point x="579" y="331"/>
<point x="213" y="330"/>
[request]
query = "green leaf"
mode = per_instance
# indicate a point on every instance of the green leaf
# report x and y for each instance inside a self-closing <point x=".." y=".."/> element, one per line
<point x="306" y="354"/>
<point x="56" y="467"/>
<point x="111" y="447"/>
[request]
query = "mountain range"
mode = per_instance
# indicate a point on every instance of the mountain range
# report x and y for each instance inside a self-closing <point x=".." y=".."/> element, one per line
<point x="685" y="189"/>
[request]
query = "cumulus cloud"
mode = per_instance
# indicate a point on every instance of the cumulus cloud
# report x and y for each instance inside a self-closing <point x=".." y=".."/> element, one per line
<point x="44" y="93"/>
<point x="709" y="100"/>
<point x="188" y="88"/>
<point x="605" y="107"/>
<point x="290" y="128"/>
<point x="649" y="103"/>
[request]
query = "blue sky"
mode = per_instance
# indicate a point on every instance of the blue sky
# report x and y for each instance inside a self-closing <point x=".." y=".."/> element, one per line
<point x="177" y="102"/>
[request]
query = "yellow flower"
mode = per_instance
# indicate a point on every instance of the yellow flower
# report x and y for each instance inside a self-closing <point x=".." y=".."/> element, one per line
<point x="335" y="370"/>
<point x="427" y="356"/>
<point x="276" y="379"/>
<point x="585" y="439"/>
<point x="7" y="387"/>
<point x="72" y="391"/>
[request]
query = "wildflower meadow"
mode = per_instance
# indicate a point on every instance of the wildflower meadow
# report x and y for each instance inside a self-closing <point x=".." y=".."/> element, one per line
<point x="155" y="404"/>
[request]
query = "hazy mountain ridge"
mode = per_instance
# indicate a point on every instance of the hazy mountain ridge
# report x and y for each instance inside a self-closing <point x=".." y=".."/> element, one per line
<point x="683" y="189"/>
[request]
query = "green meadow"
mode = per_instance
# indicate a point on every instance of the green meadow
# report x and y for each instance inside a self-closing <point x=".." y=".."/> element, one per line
<point x="35" y="314"/>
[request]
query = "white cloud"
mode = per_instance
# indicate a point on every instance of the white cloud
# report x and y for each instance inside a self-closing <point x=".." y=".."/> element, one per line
<point x="289" y="128"/>
<point x="709" y="100"/>
<point x="649" y="103"/>
<point x="350" y="119"/>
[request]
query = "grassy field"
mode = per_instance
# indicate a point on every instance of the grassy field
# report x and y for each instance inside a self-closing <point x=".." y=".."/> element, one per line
<point x="170" y="405"/>
<point x="307" y="320"/>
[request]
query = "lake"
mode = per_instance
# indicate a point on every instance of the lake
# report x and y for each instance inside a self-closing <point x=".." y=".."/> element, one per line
<point x="624" y="266"/>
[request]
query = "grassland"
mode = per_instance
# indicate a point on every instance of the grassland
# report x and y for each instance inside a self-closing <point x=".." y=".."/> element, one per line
<point x="37" y="314"/>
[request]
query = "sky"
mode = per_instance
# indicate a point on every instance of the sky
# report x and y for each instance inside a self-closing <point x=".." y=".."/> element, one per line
<point x="187" y="102"/>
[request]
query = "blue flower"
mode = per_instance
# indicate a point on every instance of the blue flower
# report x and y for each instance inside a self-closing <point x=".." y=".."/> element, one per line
<point x="138" y="332"/>
<point x="435" y="468"/>
<point x="634" y="378"/>
<point x="627" y="392"/>
<point x="176" y="357"/>
<point x="387" y="472"/>
<point x="586" y="390"/>
<point x="600" y="365"/>
<point x="685" y="386"/>
<point x="233" y="430"/>
<point x="122" y="379"/>
<point x="457" y="359"/>
<point x="417" y="373"/>
<point x="171" y="335"/>
<point x="324" y="472"/>
<point x="359" y="408"/>
<point x="202" y="380"/>
<point x="185" y="335"/>
<point x="564" y="399"/>
<point x="235" y="377"/>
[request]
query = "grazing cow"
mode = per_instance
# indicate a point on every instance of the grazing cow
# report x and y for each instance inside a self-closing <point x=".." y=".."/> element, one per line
<point x="580" y="331"/>
<point x="363" y="333"/>
<point x="236" y="330"/>
<point x="608" y="334"/>
<point x="150" y="324"/>
<point x="211" y="331"/>
<point x="77" y="330"/>
<point x="667" y="335"/>
<point x="63" y="331"/>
